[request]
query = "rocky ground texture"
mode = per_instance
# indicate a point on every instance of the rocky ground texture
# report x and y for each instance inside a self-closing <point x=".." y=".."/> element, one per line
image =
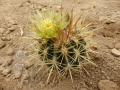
<point x="16" y="71"/>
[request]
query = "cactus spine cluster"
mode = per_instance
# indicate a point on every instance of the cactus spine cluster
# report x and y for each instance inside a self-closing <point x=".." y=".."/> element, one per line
<point x="63" y="47"/>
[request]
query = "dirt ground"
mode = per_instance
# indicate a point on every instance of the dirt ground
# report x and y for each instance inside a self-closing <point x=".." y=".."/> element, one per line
<point x="104" y="14"/>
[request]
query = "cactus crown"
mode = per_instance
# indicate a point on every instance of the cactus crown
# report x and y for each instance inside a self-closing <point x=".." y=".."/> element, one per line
<point x="63" y="47"/>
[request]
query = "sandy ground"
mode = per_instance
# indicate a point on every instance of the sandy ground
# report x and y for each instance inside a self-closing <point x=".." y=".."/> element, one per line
<point x="13" y="48"/>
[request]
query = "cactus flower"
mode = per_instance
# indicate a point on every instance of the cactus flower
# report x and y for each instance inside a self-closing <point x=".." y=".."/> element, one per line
<point x="48" y="24"/>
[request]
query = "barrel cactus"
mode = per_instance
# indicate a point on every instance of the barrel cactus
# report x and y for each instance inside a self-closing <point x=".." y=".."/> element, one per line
<point x="64" y="45"/>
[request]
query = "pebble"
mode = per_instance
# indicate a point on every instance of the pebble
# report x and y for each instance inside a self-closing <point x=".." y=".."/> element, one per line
<point x="44" y="10"/>
<point x="103" y="72"/>
<point x="58" y="7"/>
<point x="9" y="25"/>
<point x="107" y="33"/>
<point x="1" y="69"/>
<point x="12" y="22"/>
<point x="2" y="30"/>
<point x="6" y="71"/>
<point x="89" y="84"/>
<point x="39" y="7"/>
<point x="27" y="4"/>
<point x="115" y="52"/>
<point x="42" y="84"/>
<point x="107" y="85"/>
<point x="12" y="28"/>
<point x="26" y="75"/>
<point x="7" y="32"/>
<point x="110" y="46"/>
<point x="5" y="38"/>
<point x="26" y="82"/>
<point x="28" y="64"/>
<point x="108" y="77"/>
<point x="117" y="45"/>
<point x="10" y="51"/>
<point x="9" y="60"/>
<point x="18" y="74"/>
<point x="2" y="44"/>
<point x="109" y="22"/>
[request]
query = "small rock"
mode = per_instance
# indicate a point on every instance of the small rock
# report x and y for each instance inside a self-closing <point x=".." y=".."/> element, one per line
<point x="103" y="72"/>
<point x="2" y="30"/>
<point x="115" y="52"/>
<point x="25" y="82"/>
<point x="12" y="28"/>
<point x="117" y="45"/>
<point x="7" y="32"/>
<point x="107" y="33"/>
<point x="109" y="22"/>
<point x="26" y="75"/>
<point x="44" y="10"/>
<point x="28" y="64"/>
<point x="3" y="38"/>
<point x="6" y="71"/>
<point x="39" y="7"/>
<point x="2" y="44"/>
<point x="42" y="84"/>
<point x="108" y="77"/>
<point x="18" y="74"/>
<point x="110" y="46"/>
<point x="12" y="22"/>
<point x="9" y="25"/>
<point x="8" y="18"/>
<point x="8" y="60"/>
<point x="91" y="82"/>
<point x="27" y="4"/>
<point x="6" y="38"/>
<point x="58" y="7"/>
<point x="107" y="85"/>
<point x="44" y="5"/>
<point x="102" y="77"/>
<point x="1" y="69"/>
<point x="88" y="83"/>
<point x="10" y="51"/>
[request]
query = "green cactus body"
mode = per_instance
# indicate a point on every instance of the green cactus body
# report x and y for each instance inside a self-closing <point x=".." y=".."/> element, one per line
<point x="71" y="53"/>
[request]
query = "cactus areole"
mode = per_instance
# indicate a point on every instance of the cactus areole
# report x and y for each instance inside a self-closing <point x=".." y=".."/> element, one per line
<point x="62" y="46"/>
